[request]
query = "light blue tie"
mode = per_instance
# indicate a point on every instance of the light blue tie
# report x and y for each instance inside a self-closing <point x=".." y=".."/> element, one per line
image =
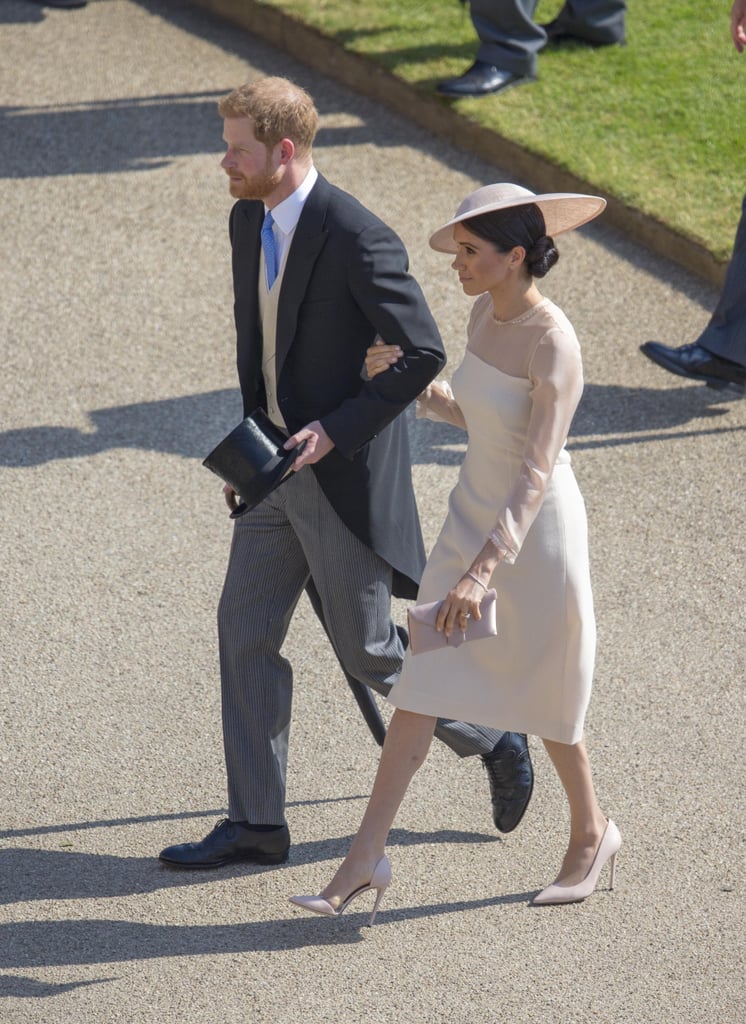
<point x="270" y="252"/>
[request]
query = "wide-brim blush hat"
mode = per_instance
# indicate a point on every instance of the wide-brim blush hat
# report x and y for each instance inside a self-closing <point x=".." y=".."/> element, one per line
<point x="562" y="211"/>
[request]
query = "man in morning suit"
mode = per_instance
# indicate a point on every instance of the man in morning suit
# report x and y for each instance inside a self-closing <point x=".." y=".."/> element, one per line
<point x="317" y="278"/>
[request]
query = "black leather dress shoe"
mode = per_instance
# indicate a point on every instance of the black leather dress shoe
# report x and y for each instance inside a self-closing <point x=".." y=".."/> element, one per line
<point x="228" y="843"/>
<point x="557" y="34"/>
<point x="511" y="776"/>
<point x="696" y="362"/>
<point x="480" y="79"/>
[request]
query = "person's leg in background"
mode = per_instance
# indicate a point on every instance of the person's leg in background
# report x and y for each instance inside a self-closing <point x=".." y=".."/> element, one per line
<point x="718" y="356"/>
<point x="509" y="41"/>
<point x="597" y="22"/>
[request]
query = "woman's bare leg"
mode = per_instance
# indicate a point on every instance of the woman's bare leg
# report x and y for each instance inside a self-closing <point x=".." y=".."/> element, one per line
<point x="405" y="748"/>
<point x="587" y="821"/>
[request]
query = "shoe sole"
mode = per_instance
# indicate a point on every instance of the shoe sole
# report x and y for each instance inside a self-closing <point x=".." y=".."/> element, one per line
<point x="489" y="92"/>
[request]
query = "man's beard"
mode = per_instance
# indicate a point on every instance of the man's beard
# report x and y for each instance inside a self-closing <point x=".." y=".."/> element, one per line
<point x="258" y="186"/>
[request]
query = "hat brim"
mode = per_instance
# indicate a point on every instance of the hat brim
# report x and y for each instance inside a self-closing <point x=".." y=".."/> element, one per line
<point x="563" y="211"/>
<point x="252" y="460"/>
<point x="271" y="477"/>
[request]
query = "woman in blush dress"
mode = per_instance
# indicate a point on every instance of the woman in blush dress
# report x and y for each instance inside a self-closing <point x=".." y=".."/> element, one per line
<point x="516" y="522"/>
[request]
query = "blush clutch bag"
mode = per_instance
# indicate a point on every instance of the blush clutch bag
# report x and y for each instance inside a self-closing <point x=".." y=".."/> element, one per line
<point x="423" y="636"/>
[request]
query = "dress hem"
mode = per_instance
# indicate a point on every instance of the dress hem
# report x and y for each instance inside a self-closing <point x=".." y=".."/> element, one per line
<point x="422" y="703"/>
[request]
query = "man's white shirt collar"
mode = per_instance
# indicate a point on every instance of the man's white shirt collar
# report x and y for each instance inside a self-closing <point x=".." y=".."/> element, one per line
<point x="287" y="213"/>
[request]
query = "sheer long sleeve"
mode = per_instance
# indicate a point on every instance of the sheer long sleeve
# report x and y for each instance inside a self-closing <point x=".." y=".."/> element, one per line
<point x="437" y="403"/>
<point x="556" y="376"/>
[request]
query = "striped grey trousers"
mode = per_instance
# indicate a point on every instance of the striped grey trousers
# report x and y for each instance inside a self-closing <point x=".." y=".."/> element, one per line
<point x="292" y="535"/>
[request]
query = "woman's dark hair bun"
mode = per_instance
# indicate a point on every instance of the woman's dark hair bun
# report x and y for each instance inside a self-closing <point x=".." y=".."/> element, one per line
<point x="541" y="257"/>
<point x="518" y="225"/>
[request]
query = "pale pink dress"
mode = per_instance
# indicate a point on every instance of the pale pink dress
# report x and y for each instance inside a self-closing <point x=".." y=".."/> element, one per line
<point x="516" y="392"/>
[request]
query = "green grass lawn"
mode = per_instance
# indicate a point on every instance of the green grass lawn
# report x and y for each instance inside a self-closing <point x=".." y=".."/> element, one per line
<point x="658" y="123"/>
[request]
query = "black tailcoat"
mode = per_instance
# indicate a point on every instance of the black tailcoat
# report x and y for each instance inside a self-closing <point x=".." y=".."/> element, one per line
<point x="345" y="282"/>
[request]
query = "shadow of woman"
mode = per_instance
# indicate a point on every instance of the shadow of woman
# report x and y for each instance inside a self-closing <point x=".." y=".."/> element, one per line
<point x="32" y="944"/>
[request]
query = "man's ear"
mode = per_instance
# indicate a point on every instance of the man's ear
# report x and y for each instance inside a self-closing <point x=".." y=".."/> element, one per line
<point x="287" y="150"/>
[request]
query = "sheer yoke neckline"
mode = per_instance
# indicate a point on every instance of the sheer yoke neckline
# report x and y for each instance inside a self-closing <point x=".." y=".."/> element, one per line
<point x="510" y="376"/>
<point x="509" y="345"/>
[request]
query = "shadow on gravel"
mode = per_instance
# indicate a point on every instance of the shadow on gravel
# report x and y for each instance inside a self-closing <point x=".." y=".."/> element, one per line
<point x="15" y="986"/>
<point x="145" y="819"/>
<point x="28" y="875"/>
<point x="100" y="941"/>
<point x="16" y="12"/>
<point x="107" y="137"/>
<point x="191" y="426"/>
<point x="115" y="136"/>
<point x="143" y="133"/>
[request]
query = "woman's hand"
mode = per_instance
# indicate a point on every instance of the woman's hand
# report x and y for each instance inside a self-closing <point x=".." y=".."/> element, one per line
<point x="463" y="601"/>
<point x="459" y="605"/>
<point x="380" y="357"/>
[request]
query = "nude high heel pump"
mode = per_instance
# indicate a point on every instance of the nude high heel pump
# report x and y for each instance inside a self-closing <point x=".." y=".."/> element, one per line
<point x="608" y="848"/>
<point x="380" y="881"/>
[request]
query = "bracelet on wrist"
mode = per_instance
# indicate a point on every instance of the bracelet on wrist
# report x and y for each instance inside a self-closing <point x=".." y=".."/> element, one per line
<point x="476" y="579"/>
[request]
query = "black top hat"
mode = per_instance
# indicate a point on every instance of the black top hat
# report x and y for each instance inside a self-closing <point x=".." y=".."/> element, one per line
<point x="252" y="460"/>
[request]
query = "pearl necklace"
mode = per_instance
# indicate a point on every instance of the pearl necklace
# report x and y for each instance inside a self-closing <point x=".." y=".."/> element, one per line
<point x="522" y="316"/>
